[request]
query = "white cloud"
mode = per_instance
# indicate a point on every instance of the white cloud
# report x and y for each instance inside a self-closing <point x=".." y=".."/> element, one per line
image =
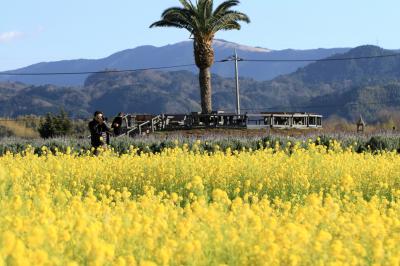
<point x="10" y="36"/>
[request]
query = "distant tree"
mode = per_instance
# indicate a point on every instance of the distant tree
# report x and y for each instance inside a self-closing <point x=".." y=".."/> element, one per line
<point x="55" y="125"/>
<point x="5" y="132"/>
<point x="46" y="128"/>
<point x="203" y="22"/>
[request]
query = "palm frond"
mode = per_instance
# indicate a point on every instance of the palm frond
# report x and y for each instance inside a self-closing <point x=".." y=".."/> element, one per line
<point x="165" y="23"/>
<point x="233" y="25"/>
<point x="201" y="14"/>
<point x="210" y="8"/>
<point x="227" y="18"/>
<point x="225" y="6"/>
<point x="176" y="17"/>
<point x="173" y="10"/>
<point x="207" y="9"/>
<point x="187" y="4"/>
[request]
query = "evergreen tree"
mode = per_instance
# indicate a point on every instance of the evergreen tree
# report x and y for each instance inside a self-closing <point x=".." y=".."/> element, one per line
<point x="55" y="125"/>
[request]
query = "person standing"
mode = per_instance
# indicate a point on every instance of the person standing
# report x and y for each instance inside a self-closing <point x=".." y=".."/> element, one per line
<point x="98" y="131"/>
<point x="117" y="124"/>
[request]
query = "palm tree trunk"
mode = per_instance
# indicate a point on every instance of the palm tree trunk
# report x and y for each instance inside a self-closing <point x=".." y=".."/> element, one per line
<point x="205" y="90"/>
<point x="204" y="57"/>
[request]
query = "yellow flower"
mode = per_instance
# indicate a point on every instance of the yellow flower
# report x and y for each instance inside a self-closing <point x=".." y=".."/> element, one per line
<point x="8" y="242"/>
<point x="309" y="207"/>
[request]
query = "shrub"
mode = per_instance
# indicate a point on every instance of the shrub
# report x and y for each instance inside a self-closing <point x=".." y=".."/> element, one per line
<point x="5" y="132"/>
<point x="55" y="125"/>
<point x="377" y="144"/>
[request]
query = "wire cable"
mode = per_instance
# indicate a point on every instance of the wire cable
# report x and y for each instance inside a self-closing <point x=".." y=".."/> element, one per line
<point x="321" y="60"/>
<point x="190" y="65"/>
<point x="92" y="72"/>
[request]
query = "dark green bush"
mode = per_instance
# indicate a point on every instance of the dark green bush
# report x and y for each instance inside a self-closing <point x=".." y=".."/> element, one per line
<point x="324" y="140"/>
<point x="4" y="132"/>
<point x="207" y="145"/>
<point x="55" y="125"/>
<point x="376" y="144"/>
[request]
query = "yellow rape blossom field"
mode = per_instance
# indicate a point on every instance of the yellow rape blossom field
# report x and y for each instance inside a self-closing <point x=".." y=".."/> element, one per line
<point x="313" y="206"/>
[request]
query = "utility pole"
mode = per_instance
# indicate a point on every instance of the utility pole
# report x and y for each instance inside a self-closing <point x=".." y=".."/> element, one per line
<point x="236" y="59"/>
<point x="237" y="84"/>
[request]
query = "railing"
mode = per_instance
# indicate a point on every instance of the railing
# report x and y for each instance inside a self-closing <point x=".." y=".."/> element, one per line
<point x="218" y="120"/>
<point x="156" y="123"/>
<point x="142" y="125"/>
<point x="128" y="132"/>
<point x="148" y="123"/>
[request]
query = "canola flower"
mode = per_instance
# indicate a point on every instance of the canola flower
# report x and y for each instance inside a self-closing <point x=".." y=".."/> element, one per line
<point x="183" y="207"/>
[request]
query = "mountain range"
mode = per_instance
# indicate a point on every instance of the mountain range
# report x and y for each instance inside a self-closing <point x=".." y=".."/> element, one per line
<point x="346" y="88"/>
<point x="171" y="55"/>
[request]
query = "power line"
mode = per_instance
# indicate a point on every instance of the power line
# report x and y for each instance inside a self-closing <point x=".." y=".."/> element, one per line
<point x="190" y="65"/>
<point x="322" y="60"/>
<point x="93" y="72"/>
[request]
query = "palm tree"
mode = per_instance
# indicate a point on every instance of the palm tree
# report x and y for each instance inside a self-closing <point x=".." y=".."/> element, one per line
<point x="203" y="22"/>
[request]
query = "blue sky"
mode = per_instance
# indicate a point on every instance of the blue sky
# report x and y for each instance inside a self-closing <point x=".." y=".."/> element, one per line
<point x="47" y="30"/>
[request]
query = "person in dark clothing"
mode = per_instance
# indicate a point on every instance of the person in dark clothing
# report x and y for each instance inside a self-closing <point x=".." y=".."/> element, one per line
<point x="98" y="131"/>
<point x="117" y="124"/>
